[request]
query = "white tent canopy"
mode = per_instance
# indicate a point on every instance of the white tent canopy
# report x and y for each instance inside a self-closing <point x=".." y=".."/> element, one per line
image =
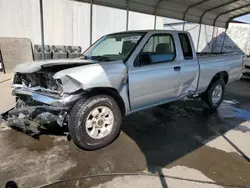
<point x="209" y="12"/>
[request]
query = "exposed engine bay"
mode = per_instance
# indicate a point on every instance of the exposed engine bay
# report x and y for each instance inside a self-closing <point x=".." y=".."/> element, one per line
<point x="40" y="102"/>
<point x="42" y="81"/>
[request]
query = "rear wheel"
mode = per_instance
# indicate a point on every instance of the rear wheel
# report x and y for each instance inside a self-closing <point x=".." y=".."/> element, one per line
<point x="95" y="122"/>
<point x="214" y="94"/>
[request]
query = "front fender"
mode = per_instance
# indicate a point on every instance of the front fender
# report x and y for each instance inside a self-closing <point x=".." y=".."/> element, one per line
<point x="104" y="74"/>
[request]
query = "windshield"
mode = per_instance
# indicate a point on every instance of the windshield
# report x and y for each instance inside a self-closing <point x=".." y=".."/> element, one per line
<point x="113" y="47"/>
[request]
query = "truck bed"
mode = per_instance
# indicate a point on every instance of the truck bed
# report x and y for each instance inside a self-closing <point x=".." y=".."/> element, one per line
<point x="212" y="63"/>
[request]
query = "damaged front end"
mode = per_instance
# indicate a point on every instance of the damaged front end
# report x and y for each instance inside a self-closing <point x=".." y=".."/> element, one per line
<point x="40" y="102"/>
<point x="46" y="91"/>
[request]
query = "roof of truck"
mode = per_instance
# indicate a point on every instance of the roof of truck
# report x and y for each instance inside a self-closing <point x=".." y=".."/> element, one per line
<point x="148" y="30"/>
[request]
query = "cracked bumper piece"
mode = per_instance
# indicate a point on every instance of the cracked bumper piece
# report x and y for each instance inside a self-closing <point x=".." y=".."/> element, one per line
<point x="49" y="99"/>
<point x="37" y="111"/>
<point x="34" y="119"/>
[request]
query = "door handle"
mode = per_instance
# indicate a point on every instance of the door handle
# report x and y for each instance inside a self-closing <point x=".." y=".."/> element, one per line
<point x="178" y="68"/>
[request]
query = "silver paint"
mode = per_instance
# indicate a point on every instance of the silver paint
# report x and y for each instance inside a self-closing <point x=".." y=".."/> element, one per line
<point x="145" y="86"/>
<point x="103" y="74"/>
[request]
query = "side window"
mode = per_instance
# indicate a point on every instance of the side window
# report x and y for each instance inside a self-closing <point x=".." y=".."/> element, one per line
<point x="160" y="47"/>
<point x="186" y="46"/>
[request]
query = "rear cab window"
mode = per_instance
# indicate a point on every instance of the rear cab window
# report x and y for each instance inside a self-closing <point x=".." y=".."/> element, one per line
<point x="186" y="46"/>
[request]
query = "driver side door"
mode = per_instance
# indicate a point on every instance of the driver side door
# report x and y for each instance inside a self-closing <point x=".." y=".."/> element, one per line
<point x="155" y="77"/>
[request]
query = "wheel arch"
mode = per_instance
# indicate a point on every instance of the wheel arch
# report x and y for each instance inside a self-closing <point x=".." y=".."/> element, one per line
<point x="220" y="75"/>
<point x="110" y="92"/>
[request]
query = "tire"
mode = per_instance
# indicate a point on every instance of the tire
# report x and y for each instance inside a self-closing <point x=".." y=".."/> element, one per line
<point x="208" y="95"/>
<point x="82" y="112"/>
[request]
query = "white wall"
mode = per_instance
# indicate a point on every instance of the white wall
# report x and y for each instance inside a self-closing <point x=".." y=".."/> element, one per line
<point x="107" y="20"/>
<point x="20" y="19"/>
<point x="139" y="21"/>
<point x="238" y="36"/>
<point x="66" y="22"/>
<point x="81" y="22"/>
<point x="159" y="22"/>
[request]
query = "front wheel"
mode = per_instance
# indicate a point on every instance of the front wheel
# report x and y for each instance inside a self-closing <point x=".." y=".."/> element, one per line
<point x="95" y="122"/>
<point x="214" y="94"/>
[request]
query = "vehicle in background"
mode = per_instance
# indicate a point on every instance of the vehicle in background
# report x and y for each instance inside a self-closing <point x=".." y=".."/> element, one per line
<point x="246" y="66"/>
<point x="120" y="74"/>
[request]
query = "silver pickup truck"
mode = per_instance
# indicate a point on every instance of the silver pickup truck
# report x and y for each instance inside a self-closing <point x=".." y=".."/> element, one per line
<point x="119" y="74"/>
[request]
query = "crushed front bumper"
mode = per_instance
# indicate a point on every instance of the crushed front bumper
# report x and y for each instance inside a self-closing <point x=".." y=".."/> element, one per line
<point x="52" y="99"/>
<point x="34" y="119"/>
<point x="36" y="111"/>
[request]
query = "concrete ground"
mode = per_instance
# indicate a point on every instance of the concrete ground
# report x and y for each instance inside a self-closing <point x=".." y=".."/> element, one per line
<point x="182" y="141"/>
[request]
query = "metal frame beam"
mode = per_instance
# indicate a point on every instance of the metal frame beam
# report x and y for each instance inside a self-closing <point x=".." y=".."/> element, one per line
<point x="185" y="13"/>
<point x="222" y="46"/>
<point x="191" y="6"/>
<point x="199" y="36"/>
<point x="156" y="8"/>
<point x="127" y="18"/>
<point x="229" y="11"/>
<point x="212" y="45"/>
<point x="42" y="27"/>
<point x="91" y="22"/>
<point x="214" y="8"/>
<point x="239" y="15"/>
<point x="211" y="9"/>
<point x="155" y="21"/>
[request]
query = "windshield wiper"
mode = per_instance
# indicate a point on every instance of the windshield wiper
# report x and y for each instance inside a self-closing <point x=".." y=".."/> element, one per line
<point x="100" y="58"/>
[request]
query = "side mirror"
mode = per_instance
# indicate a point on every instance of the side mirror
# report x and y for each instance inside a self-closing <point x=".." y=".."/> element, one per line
<point x="144" y="59"/>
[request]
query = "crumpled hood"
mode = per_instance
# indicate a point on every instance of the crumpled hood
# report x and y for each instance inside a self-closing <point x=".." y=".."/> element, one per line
<point x="103" y="74"/>
<point x="76" y="74"/>
<point x="33" y="66"/>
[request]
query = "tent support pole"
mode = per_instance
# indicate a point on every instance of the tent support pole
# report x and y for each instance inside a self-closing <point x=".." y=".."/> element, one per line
<point x="212" y="45"/>
<point x="190" y="7"/>
<point x="127" y="19"/>
<point x="223" y="41"/>
<point x="199" y="36"/>
<point x="91" y="22"/>
<point x="155" y="22"/>
<point x="42" y="27"/>
<point x="156" y="8"/>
